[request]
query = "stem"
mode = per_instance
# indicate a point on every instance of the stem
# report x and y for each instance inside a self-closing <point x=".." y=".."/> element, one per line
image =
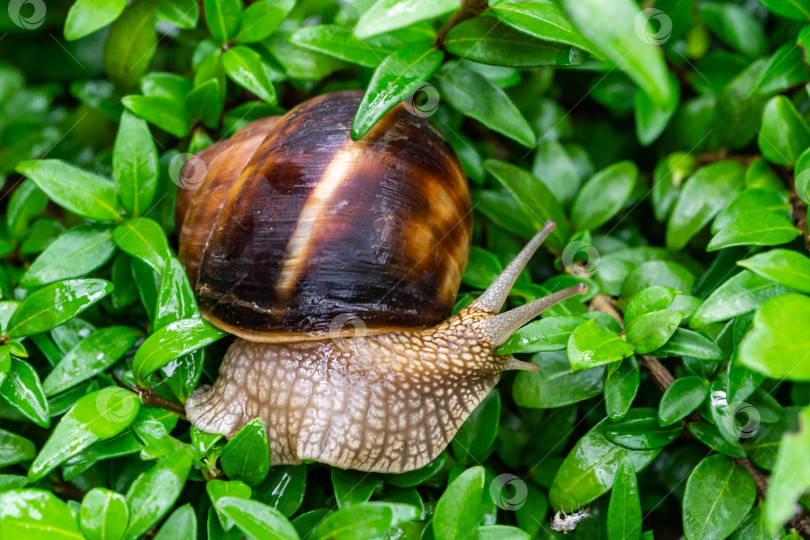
<point x="663" y="379"/>
<point x="152" y="399"/>
<point x="469" y="9"/>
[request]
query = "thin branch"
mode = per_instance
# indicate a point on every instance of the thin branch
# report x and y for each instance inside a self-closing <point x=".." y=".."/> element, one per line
<point x="664" y="379"/>
<point x="469" y="9"/>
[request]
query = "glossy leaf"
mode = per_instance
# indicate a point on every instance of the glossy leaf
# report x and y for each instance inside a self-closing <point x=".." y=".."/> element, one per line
<point x="591" y="345"/>
<point x="791" y="474"/>
<point x="74" y="189"/>
<point x="719" y="494"/>
<point x="735" y="26"/>
<point x="641" y="433"/>
<point x="144" y="239"/>
<point x="555" y="384"/>
<point x="387" y="15"/>
<point x="543" y="19"/>
<point x="97" y="416"/>
<point x="476" y="96"/>
<point x="624" y="510"/>
<point x="222" y="18"/>
<point x="91" y="356"/>
<point x="353" y="487"/>
<point x="166" y="113"/>
<point x="478" y="432"/>
<point x="260" y="19"/>
<point x="784" y="135"/>
<point x="172" y="341"/>
<point x="741" y="294"/>
<point x="711" y="437"/>
<point x="704" y="194"/>
<point x="131" y="44"/>
<point x="650" y="331"/>
<point x="15" y="448"/>
<point x="204" y="102"/>
<point x="246" y="457"/>
<point x="589" y="469"/>
<point x="75" y="253"/>
<point x="456" y="513"/>
<point x="87" y="16"/>
<point x="22" y="390"/>
<point x="247" y="69"/>
<point x="548" y="334"/>
<point x="689" y="343"/>
<point x="604" y="195"/>
<point x="790" y="268"/>
<point x="135" y="165"/>
<point x="533" y="196"/>
<point x="35" y="514"/>
<point x="395" y="80"/>
<point x="757" y="228"/>
<point x="609" y="25"/>
<point x="620" y="387"/>
<point x="104" y="515"/>
<point x="777" y="343"/>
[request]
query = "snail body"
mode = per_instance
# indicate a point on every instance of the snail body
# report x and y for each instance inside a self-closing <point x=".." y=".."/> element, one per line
<point x="337" y="264"/>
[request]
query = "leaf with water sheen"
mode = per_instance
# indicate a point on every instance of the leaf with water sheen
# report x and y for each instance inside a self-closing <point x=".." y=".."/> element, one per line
<point x="624" y="510"/>
<point x="591" y="345"/>
<point x="555" y="385"/>
<point x="34" y="514"/>
<point x="104" y="515"/>
<point x="456" y="513"/>
<point x="172" y="341"/>
<point x="22" y="390"/>
<point x="788" y="267"/>
<point x="246" y="457"/>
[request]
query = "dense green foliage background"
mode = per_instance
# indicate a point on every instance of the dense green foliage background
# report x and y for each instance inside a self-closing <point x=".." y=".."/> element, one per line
<point x="670" y="145"/>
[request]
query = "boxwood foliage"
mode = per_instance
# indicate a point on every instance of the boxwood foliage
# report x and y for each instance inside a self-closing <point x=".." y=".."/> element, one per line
<point x="669" y="141"/>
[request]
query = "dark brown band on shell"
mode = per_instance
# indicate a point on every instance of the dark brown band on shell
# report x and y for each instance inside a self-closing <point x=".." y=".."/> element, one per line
<point x="307" y="230"/>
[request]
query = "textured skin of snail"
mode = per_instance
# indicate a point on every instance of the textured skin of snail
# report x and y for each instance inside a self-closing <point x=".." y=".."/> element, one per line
<point x="295" y="227"/>
<point x="386" y="403"/>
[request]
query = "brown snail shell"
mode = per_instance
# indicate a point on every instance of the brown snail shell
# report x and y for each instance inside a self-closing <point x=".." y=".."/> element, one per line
<point x="296" y="225"/>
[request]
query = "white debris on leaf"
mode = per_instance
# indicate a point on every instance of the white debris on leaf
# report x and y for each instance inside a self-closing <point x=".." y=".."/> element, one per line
<point x="565" y="523"/>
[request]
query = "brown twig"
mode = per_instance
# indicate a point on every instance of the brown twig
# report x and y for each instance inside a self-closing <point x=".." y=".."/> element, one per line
<point x="152" y="399"/>
<point x="469" y="9"/>
<point x="664" y="379"/>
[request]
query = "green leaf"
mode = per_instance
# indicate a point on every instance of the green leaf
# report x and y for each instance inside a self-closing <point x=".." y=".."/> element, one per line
<point x="499" y="532"/>
<point x="543" y="19"/>
<point x="668" y="176"/>
<point x="475" y="96"/>
<point x="718" y="495"/>
<point x="534" y="197"/>
<point x="682" y="397"/>
<point x="14" y="449"/>
<point x="483" y="268"/>
<point x="604" y="195"/>
<point x="353" y="487"/>
<point x="166" y="113"/>
<point x="620" y="387"/>
<point x="555" y="384"/>
<point x="181" y="13"/>
<point x="91" y="356"/>
<point x="104" y="515"/>
<point x="26" y="203"/>
<point x="255" y="519"/>
<point x="245" y="67"/>
<point x="155" y="491"/>
<point x="655" y="298"/>
<point x="144" y="239"/>
<point x="651" y="118"/>
<point x="609" y="25"/>
<point x="591" y="345"/>
<point x="22" y="390"/>
<point x="548" y="334"/>
<point x="641" y="432"/>
<point x="260" y="19"/>
<point x="749" y="200"/>
<point x="778" y="342"/>
<point x="74" y="189"/>
<point x="339" y="42"/>
<point x="624" y="510"/>
<point x="284" y="488"/>
<point x="711" y="437"/>
<point x="785" y="69"/>
<point x="757" y="228"/>
<point x="35" y="514"/>
<point x="364" y="520"/>
<point x="398" y="76"/>
<point x="790" y="268"/>
<point x="704" y="194"/>
<point x="135" y="165"/>
<point x="741" y="294"/>
<point x="784" y="135"/>
<point x="54" y="304"/>
<point x="590" y="467"/>
<point x="688" y="343"/>
<point x="172" y="341"/>
<point x="131" y="44"/>
<point x="181" y="525"/>
<point x="735" y="26"/>
<point x="386" y="15"/>
<point x="650" y="331"/>
<point x="456" y="513"/>
<point x="802" y="177"/>
<point x="246" y="457"/>
<point x="791" y="474"/>
<point x="75" y="253"/>
<point x="87" y="16"/>
<point x="478" y="432"/>
<point x="798" y="10"/>
<point x="204" y="102"/>
<point x="488" y="41"/>
<point x="222" y="18"/>
<point x="753" y="527"/>
<point x="96" y="416"/>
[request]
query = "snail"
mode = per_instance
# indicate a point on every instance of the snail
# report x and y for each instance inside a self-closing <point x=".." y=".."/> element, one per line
<point x="336" y="263"/>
